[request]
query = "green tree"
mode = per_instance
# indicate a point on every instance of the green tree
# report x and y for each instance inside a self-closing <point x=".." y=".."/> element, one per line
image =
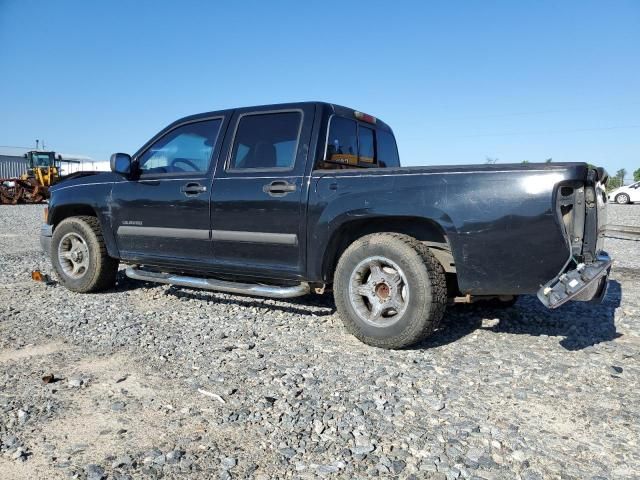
<point x="490" y="160"/>
<point x="524" y="162"/>
<point x="548" y="160"/>
<point x="613" y="183"/>
<point x="636" y="175"/>
<point x="621" y="174"/>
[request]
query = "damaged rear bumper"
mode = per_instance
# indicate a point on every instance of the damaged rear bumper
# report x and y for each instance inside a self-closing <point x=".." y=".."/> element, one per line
<point x="587" y="282"/>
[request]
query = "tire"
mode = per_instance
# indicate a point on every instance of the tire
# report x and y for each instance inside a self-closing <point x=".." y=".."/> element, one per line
<point x="79" y="256"/>
<point x="412" y="279"/>
<point x="622" y="198"/>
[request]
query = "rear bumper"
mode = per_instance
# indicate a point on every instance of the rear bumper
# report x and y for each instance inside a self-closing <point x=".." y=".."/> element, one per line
<point x="586" y="283"/>
<point x="46" y="232"/>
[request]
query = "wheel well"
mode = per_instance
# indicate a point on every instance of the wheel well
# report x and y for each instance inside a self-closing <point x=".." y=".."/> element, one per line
<point x="66" y="211"/>
<point x="422" y="229"/>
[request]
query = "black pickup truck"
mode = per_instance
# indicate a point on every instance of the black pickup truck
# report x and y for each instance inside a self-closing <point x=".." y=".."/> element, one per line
<point x="283" y="200"/>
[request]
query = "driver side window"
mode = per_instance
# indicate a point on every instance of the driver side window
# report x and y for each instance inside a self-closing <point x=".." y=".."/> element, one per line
<point x="186" y="149"/>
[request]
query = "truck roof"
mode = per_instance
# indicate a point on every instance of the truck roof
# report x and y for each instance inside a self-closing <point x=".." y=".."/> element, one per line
<point x="327" y="108"/>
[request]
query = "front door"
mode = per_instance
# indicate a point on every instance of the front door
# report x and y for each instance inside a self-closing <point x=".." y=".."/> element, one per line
<point x="259" y="194"/>
<point x="162" y="216"/>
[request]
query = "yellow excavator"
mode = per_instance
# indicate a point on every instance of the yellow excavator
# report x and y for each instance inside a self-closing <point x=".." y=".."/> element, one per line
<point x="33" y="185"/>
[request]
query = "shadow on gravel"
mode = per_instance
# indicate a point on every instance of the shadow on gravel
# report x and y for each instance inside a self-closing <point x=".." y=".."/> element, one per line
<point x="581" y="324"/>
<point x="289" y="305"/>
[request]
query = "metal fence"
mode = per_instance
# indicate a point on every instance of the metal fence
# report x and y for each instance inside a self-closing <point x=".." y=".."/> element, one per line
<point x="12" y="166"/>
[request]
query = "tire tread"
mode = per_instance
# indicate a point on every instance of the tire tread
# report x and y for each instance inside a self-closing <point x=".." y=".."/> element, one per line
<point x="420" y="328"/>
<point x="104" y="275"/>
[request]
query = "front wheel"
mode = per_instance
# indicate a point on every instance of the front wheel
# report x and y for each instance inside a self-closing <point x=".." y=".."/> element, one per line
<point x="622" y="198"/>
<point x="79" y="256"/>
<point x="390" y="290"/>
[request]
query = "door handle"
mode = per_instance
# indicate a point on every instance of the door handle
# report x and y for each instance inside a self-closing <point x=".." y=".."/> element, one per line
<point x="279" y="188"/>
<point x="193" y="189"/>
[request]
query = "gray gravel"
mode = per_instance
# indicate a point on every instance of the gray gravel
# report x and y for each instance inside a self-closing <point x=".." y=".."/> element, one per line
<point x="154" y="381"/>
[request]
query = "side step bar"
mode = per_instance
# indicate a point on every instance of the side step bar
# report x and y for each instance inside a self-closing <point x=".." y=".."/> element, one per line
<point x="269" y="291"/>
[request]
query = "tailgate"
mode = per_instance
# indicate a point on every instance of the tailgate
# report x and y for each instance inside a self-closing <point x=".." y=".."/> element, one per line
<point x="582" y="211"/>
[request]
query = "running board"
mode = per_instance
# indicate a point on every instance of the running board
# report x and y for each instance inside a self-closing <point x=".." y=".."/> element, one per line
<point x="269" y="291"/>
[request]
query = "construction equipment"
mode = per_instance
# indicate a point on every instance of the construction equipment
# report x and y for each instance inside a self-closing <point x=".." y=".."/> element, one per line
<point x="33" y="185"/>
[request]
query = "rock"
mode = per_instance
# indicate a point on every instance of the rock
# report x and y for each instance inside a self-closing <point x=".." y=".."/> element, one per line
<point x="122" y="461"/>
<point x="94" y="472"/>
<point x="327" y="469"/>
<point x="363" y="449"/>
<point x="19" y="454"/>
<point x="75" y="382"/>
<point x="228" y="463"/>
<point x="23" y="416"/>
<point x="118" y="406"/>
<point x="474" y="454"/>
<point x="397" y="466"/>
<point x="531" y="474"/>
<point x="287" y="452"/>
<point x="615" y="370"/>
<point x="174" y="456"/>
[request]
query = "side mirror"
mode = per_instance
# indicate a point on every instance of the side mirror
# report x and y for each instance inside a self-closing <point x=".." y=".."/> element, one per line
<point x="121" y="163"/>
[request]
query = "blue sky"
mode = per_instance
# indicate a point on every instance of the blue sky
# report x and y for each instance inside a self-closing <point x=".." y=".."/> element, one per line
<point x="458" y="81"/>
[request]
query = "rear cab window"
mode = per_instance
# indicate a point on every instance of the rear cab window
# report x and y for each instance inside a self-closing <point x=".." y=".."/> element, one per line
<point x="354" y="144"/>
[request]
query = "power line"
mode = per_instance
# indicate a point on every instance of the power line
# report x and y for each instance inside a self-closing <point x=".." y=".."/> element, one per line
<point x="552" y="132"/>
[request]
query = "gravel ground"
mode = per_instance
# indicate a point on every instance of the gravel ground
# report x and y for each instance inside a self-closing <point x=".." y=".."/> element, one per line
<point x="157" y="381"/>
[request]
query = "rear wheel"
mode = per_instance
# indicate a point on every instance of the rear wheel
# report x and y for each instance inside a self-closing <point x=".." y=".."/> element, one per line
<point x="390" y="290"/>
<point x="622" y="198"/>
<point x="79" y="256"/>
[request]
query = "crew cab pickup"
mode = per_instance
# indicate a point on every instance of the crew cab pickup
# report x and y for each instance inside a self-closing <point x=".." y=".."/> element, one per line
<point x="284" y="200"/>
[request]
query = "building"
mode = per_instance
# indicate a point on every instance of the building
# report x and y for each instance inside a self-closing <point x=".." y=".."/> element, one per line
<point x="12" y="166"/>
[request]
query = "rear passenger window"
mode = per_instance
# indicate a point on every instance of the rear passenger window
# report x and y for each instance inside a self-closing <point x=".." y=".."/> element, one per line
<point x="266" y="141"/>
<point x="351" y="144"/>
<point x="387" y="150"/>
<point x="342" y="143"/>
<point x="366" y="152"/>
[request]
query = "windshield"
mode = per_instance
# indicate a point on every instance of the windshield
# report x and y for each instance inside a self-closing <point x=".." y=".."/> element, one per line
<point x="42" y="160"/>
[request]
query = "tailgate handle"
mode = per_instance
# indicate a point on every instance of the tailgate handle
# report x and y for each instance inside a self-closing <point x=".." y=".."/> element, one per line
<point x="279" y="188"/>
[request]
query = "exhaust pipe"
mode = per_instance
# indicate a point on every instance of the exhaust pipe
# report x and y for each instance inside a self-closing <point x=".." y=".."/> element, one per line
<point x="256" y="290"/>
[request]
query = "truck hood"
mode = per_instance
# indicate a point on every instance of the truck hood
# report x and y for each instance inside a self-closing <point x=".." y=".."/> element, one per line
<point x="87" y="178"/>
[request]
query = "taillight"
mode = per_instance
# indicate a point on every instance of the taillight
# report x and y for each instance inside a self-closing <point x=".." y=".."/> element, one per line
<point x="365" y="117"/>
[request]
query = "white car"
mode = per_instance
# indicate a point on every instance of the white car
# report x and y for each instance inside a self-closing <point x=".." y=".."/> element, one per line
<point x="628" y="194"/>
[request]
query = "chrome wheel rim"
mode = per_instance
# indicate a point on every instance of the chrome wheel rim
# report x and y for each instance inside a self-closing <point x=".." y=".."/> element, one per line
<point x="378" y="291"/>
<point x="622" y="199"/>
<point x="73" y="255"/>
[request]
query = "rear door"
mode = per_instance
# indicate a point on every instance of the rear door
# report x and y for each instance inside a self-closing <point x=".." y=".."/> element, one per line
<point x="162" y="216"/>
<point x="259" y="193"/>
